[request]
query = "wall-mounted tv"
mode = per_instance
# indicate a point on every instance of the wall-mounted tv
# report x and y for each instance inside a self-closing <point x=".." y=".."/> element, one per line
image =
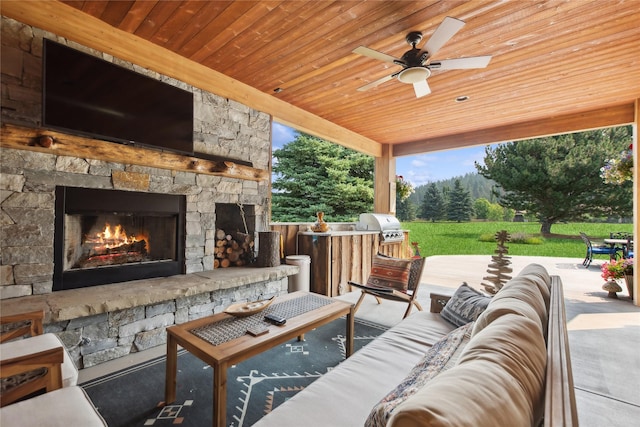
<point x="92" y="97"/>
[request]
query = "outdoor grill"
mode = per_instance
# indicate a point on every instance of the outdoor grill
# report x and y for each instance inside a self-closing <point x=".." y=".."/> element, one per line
<point x="387" y="225"/>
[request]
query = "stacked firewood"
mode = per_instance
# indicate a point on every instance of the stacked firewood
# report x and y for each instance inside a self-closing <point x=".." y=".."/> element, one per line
<point x="233" y="249"/>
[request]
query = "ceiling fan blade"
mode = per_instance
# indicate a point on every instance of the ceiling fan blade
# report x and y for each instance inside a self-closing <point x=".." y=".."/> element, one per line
<point x="447" y="29"/>
<point x="365" y="51"/>
<point x="421" y="88"/>
<point x="376" y="83"/>
<point x="461" y="63"/>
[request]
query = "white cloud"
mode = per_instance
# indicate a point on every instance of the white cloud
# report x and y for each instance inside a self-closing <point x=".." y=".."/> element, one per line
<point x="281" y="135"/>
<point x="441" y="165"/>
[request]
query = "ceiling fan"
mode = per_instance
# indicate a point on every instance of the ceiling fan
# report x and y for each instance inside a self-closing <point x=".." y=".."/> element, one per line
<point x="417" y="64"/>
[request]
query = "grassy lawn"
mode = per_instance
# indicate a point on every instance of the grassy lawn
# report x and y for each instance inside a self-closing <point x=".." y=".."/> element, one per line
<point x="451" y="238"/>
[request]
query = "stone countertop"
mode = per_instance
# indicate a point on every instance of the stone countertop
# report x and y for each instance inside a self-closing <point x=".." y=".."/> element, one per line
<point x="75" y="303"/>
<point x="339" y="233"/>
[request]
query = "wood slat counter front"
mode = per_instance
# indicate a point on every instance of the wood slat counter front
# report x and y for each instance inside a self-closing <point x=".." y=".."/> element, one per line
<point x="338" y="257"/>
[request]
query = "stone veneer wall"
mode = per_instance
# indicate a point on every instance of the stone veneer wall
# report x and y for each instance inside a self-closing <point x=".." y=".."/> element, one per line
<point x="91" y="340"/>
<point x="27" y="181"/>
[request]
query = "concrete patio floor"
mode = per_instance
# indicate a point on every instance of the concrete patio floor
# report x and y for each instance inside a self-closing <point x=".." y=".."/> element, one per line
<point x="604" y="333"/>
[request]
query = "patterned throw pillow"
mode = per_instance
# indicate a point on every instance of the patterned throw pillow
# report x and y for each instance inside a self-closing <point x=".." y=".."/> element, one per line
<point x="465" y="305"/>
<point x="440" y="357"/>
<point x="387" y="272"/>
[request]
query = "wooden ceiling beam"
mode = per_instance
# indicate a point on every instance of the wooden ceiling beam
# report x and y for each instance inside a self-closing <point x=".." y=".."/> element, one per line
<point x="72" y="24"/>
<point x="611" y="116"/>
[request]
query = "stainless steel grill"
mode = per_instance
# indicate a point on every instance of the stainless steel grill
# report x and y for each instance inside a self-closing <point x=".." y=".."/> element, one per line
<point x="387" y="225"/>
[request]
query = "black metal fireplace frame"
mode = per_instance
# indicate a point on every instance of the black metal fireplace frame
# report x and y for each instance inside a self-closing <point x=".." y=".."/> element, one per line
<point x="75" y="200"/>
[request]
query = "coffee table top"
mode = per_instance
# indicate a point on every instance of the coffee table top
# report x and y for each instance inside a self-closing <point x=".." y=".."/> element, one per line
<point x="226" y="329"/>
<point x="303" y="311"/>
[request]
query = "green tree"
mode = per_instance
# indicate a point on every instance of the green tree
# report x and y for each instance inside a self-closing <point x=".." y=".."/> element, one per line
<point x="311" y="175"/>
<point x="459" y="207"/>
<point x="481" y="208"/>
<point x="496" y="212"/>
<point x="406" y="210"/>
<point x="433" y="204"/>
<point x="558" y="178"/>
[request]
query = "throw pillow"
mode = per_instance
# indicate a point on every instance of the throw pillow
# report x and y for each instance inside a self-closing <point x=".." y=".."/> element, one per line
<point x="389" y="272"/>
<point x="465" y="305"/>
<point x="440" y="357"/>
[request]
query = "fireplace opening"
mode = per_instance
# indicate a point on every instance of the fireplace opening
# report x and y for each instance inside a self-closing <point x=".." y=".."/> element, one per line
<point x="110" y="236"/>
<point x="94" y="241"/>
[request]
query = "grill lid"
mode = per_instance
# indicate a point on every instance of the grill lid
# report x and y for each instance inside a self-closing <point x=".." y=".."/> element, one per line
<point x="377" y="222"/>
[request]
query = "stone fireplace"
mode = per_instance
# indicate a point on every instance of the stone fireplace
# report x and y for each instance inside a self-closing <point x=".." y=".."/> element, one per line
<point x="104" y="322"/>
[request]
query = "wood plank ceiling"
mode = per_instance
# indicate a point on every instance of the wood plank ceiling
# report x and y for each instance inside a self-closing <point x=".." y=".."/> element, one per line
<point x="553" y="62"/>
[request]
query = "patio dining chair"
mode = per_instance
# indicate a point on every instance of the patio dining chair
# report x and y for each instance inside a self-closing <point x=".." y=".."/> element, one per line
<point x="401" y="287"/>
<point x="593" y="249"/>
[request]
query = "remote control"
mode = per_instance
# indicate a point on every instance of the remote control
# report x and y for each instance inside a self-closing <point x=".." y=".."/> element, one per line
<point x="257" y="330"/>
<point x="275" y="319"/>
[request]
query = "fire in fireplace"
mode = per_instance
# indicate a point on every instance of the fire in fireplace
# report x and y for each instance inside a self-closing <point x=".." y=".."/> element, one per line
<point x="110" y="236"/>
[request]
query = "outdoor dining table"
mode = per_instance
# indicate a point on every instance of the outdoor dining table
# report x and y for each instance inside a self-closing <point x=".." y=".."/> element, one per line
<point x="622" y="242"/>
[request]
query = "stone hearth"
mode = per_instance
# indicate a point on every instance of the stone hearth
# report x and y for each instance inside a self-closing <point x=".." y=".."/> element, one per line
<point x="106" y="322"/>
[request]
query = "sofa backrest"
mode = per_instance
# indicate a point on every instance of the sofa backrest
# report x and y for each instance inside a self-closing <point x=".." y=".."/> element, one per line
<point x="498" y="381"/>
<point x="526" y="295"/>
<point x="515" y="369"/>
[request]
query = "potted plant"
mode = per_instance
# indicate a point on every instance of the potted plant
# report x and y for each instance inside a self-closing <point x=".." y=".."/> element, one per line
<point x="614" y="270"/>
<point x="620" y="169"/>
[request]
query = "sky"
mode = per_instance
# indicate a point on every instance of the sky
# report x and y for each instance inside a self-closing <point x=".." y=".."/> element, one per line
<point x="418" y="170"/>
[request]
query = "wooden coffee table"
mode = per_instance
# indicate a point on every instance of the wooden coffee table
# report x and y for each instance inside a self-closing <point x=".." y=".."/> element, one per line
<point x="221" y="355"/>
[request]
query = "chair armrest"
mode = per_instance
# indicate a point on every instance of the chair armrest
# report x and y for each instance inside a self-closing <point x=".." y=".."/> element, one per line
<point x="438" y="301"/>
<point x="34" y="327"/>
<point x="23" y="375"/>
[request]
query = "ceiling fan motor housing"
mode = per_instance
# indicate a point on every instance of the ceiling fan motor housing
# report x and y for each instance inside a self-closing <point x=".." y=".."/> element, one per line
<point x="413" y="38"/>
<point x="414" y="74"/>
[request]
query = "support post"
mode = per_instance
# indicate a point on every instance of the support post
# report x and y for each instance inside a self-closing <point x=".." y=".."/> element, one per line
<point x="384" y="186"/>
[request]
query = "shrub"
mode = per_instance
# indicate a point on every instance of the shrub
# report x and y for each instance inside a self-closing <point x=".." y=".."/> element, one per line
<point x="516" y="238"/>
<point x="487" y="237"/>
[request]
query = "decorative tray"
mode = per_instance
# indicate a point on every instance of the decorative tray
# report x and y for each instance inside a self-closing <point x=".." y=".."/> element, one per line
<point x="243" y="309"/>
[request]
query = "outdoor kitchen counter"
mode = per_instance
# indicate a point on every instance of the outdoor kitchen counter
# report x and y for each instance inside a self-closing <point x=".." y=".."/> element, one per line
<point x="340" y="256"/>
<point x="339" y="233"/>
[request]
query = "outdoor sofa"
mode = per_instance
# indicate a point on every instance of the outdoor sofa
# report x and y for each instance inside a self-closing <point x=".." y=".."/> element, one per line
<point x="509" y="367"/>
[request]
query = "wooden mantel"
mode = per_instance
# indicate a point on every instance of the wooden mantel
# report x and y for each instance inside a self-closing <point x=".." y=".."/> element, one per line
<point x="58" y="143"/>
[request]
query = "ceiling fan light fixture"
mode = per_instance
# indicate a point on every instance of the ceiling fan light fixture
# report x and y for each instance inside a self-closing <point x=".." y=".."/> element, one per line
<point x="414" y="75"/>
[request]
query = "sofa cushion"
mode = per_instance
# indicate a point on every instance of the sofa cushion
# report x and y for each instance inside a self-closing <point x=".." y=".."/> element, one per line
<point x="65" y="407"/>
<point x="540" y="277"/>
<point x="345" y="395"/>
<point x="441" y="356"/>
<point x="389" y="272"/>
<point x="465" y="305"/>
<point x="498" y="381"/>
<point x="519" y="296"/>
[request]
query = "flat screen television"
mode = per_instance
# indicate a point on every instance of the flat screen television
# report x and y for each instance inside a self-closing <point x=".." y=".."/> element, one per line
<point x="95" y="98"/>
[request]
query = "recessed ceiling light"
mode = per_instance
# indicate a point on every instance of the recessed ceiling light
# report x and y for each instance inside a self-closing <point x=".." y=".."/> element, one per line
<point x="462" y="98"/>
<point x="278" y="90"/>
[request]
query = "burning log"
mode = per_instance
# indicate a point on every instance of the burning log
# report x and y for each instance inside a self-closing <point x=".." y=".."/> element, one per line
<point x="102" y="255"/>
<point x="137" y="247"/>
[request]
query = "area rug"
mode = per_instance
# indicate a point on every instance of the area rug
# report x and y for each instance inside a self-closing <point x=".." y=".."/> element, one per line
<point x="134" y="396"/>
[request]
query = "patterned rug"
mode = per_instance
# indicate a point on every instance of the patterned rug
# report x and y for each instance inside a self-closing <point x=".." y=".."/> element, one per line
<point x="134" y="396"/>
